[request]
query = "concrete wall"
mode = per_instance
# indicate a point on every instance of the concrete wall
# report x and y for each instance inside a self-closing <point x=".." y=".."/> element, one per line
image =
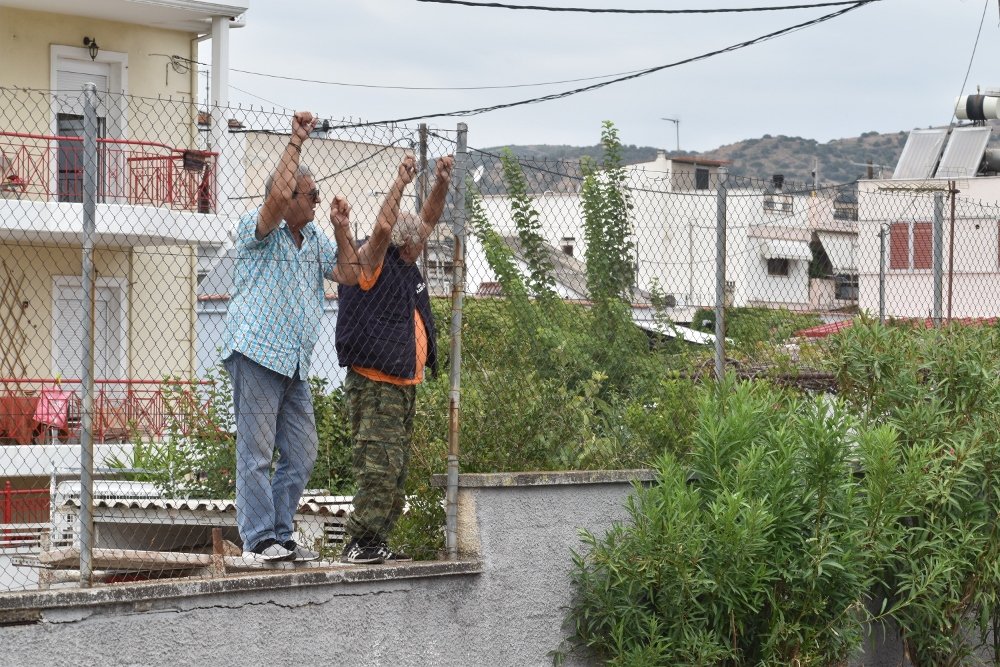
<point x="502" y="603"/>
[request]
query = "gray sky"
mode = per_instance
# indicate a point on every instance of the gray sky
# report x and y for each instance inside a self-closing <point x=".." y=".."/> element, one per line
<point x="889" y="66"/>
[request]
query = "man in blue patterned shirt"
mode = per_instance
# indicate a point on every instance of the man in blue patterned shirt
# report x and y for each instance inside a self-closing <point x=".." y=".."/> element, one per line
<point x="271" y="328"/>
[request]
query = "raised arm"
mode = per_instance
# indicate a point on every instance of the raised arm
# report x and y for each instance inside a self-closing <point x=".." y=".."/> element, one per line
<point x="372" y="252"/>
<point x="346" y="270"/>
<point x="283" y="183"/>
<point x="434" y="206"/>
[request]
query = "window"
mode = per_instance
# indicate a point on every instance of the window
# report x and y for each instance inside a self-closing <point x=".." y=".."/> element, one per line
<point x="846" y="287"/>
<point x="700" y="178"/>
<point x="777" y="266"/>
<point x="567" y="245"/>
<point x="910" y="245"/>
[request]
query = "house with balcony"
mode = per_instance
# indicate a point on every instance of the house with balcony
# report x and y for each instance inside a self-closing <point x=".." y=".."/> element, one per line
<point x="161" y="193"/>
<point x="772" y="231"/>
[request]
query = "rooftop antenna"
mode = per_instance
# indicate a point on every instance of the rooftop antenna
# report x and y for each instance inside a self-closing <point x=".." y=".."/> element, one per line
<point x="677" y="127"/>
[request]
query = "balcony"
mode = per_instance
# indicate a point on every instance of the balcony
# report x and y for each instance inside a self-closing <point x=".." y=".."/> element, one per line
<point x="148" y="193"/>
<point x="40" y="420"/>
<point x="41" y="167"/>
<point x="40" y="411"/>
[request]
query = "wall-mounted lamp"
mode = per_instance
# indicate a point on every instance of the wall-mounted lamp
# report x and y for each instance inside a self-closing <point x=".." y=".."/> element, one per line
<point x="92" y="47"/>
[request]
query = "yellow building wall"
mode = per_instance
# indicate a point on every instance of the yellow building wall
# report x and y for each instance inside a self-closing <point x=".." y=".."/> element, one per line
<point x="160" y="307"/>
<point x="25" y="41"/>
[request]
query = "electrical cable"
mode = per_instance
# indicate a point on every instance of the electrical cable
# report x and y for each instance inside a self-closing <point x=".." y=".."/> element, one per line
<point x="636" y="75"/>
<point x="971" y="57"/>
<point x="395" y="87"/>
<point x="586" y="10"/>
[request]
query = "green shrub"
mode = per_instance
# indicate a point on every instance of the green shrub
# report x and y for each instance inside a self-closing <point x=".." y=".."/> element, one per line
<point x="752" y="553"/>
<point x="940" y="389"/>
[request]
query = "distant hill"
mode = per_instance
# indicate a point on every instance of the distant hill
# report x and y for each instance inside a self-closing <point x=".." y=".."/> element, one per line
<point x="556" y="168"/>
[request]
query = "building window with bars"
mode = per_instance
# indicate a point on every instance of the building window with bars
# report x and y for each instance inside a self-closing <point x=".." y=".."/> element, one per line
<point x="777" y="266"/>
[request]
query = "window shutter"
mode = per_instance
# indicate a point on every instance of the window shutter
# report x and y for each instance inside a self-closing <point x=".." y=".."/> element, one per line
<point x="899" y="246"/>
<point x="923" y="244"/>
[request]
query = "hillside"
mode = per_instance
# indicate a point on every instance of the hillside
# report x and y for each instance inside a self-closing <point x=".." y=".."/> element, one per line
<point x="840" y="160"/>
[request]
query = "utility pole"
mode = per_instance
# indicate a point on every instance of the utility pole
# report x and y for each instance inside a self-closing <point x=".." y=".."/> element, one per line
<point x="677" y="127"/>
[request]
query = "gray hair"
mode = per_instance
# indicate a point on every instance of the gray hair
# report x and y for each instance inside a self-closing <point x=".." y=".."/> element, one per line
<point x="302" y="171"/>
<point x="407" y="230"/>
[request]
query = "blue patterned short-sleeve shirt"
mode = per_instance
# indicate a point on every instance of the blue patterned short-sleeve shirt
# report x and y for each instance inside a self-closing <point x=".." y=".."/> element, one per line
<point x="277" y="297"/>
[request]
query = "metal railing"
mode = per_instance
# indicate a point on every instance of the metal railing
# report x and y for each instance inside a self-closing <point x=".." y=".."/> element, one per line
<point x="123" y="408"/>
<point x="138" y="173"/>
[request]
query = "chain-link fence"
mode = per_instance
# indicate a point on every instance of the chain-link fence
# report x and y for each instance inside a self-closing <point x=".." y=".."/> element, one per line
<point x="565" y="307"/>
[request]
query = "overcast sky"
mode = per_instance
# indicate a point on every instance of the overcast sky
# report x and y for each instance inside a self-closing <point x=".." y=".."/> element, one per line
<point x="892" y="65"/>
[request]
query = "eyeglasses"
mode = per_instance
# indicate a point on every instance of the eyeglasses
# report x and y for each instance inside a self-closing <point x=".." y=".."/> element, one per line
<point x="314" y="193"/>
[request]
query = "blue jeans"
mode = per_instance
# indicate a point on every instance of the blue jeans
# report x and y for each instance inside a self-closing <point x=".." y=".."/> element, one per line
<point x="272" y="411"/>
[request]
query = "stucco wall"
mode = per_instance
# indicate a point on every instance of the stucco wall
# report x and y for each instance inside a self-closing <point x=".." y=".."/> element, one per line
<point x="502" y="603"/>
<point x="504" y="607"/>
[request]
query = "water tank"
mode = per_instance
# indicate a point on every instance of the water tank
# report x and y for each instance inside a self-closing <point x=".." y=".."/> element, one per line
<point x="991" y="160"/>
<point x="977" y="107"/>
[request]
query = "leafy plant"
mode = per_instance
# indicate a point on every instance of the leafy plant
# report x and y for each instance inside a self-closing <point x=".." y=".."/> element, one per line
<point x="940" y="390"/>
<point x="752" y="553"/>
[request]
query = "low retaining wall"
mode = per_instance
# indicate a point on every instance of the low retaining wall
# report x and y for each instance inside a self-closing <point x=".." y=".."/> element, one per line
<point x="502" y="603"/>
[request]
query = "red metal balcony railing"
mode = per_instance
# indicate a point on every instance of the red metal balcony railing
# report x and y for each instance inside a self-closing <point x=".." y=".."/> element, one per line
<point x="24" y="515"/>
<point x="138" y="173"/>
<point x="42" y="410"/>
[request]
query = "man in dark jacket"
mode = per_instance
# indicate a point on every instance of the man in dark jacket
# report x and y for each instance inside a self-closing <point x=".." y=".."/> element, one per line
<point x="385" y="335"/>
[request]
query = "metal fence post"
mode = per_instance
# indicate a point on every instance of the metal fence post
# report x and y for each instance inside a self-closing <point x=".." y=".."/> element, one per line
<point x="881" y="274"/>
<point x="720" y="273"/>
<point x="457" y="295"/>
<point x="938" y="258"/>
<point x="87" y="372"/>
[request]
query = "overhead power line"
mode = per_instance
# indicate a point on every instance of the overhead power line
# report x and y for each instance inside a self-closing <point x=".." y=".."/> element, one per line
<point x="394" y="87"/>
<point x="634" y="75"/>
<point x="589" y="10"/>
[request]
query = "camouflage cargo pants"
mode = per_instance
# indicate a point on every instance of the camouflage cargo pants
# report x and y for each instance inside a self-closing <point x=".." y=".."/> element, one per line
<point x="381" y="417"/>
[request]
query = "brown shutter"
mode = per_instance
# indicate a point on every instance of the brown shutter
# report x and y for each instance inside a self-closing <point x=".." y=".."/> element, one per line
<point x="899" y="246"/>
<point x="923" y="244"/>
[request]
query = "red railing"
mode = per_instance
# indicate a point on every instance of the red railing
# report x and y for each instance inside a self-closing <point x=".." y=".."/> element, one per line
<point x="24" y="516"/>
<point x="23" y="505"/>
<point x="121" y="408"/>
<point x="139" y="173"/>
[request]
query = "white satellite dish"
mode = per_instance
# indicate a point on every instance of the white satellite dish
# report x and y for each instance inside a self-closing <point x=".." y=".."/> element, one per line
<point x="478" y="173"/>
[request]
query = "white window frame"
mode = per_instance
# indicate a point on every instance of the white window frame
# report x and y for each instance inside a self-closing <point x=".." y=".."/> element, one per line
<point x="59" y="56"/>
<point x="76" y="282"/>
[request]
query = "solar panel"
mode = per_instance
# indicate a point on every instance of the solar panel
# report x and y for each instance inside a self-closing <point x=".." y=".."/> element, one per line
<point x="920" y="154"/>
<point x="964" y="152"/>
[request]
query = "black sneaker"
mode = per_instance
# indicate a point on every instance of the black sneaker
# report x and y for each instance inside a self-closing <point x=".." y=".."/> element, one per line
<point x="362" y="552"/>
<point x="299" y="553"/>
<point x="390" y="556"/>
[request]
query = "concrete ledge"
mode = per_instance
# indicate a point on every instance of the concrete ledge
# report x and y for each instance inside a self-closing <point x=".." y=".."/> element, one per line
<point x="554" y="478"/>
<point x="14" y="605"/>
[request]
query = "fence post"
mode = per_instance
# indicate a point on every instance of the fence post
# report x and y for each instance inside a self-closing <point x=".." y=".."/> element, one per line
<point x="881" y="274"/>
<point x="720" y="273"/>
<point x="951" y="246"/>
<point x="422" y="195"/>
<point x="457" y="295"/>
<point x="87" y="372"/>
<point x="8" y="503"/>
<point x="938" y="257"/>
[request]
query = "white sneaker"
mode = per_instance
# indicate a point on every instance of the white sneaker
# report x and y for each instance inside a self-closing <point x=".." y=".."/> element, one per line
<point x="299" y="553"/>
<point x="267" y="551"/>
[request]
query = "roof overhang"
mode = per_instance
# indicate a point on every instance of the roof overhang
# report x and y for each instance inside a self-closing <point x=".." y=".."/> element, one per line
<point x="183" y="15"/>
